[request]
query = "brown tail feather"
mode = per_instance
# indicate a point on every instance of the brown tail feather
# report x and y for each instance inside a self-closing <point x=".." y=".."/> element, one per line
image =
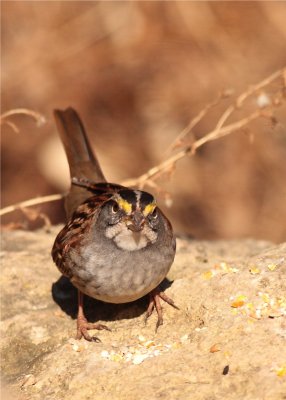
<point x="81" y="158"/>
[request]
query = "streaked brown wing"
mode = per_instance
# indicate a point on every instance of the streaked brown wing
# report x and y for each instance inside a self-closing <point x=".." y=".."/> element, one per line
<point x="97" y="188"/>
<point x="75" y="230"/>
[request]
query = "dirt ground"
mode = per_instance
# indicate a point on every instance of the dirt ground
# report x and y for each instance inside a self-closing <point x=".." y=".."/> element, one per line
<point x="227" y="341"/>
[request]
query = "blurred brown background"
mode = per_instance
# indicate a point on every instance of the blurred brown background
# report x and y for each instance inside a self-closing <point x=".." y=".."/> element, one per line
<point x="137" y="72"/>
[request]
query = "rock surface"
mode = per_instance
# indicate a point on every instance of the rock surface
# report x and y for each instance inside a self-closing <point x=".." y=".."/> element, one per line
<point x="227" y="341"/>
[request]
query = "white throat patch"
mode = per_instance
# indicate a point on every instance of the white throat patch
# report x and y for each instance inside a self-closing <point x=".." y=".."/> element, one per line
<point x="125" y="239"/>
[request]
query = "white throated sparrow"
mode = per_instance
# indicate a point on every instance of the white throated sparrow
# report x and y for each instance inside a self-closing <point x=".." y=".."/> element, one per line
<point x="117" y="245"/>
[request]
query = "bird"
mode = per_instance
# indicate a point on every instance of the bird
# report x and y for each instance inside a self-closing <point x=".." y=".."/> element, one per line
<point x="117" y="245"/>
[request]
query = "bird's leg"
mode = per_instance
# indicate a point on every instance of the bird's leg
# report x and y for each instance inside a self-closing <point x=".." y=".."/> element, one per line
<point x="83" y="326"/>
<point x="154" y="302"/>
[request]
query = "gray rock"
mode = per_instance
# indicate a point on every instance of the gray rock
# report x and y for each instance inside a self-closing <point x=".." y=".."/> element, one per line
<point x="227" y="341"/>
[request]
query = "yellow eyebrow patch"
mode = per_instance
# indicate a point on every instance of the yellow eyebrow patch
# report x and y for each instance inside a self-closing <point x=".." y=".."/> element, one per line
<point x="124" y="205"/>
<point x="149" y="209"/>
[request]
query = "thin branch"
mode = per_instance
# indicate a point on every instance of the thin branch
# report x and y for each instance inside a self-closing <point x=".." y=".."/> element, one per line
<point x="191" y="149"/>
<point x="168" y="165"/>
<point x="243" y="96"/>
<point x="194" y="121"/>
<point x="30" y="202"/>
<point x="265" y="82"/>
<point x="219" y="131"/>
<point x="39" y="118"/>
<point x="11" y="124"/>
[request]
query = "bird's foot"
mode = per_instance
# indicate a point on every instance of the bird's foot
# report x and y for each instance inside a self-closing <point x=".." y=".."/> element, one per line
<point x="83" y="327"/>
<point x="155" y="303"/>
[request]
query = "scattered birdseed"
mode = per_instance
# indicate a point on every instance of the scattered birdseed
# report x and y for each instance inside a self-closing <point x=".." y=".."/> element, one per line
<point x="77" y="345"/>
<point x="200" y="329"/>
<point x="143" y="350"/>
<point x="139" y="358"/>
<point x="104" y="354"/>
<point x="184" y="338"/>
<point x="214" y="348"/>
<point x="116" y="357"/>
<point x="239" y="301"/>
<point x="225" y="370"/>
<point x="271" y="267"/>
<point x="149" y="343"/>
<point x="220" y="268"/>
<point x="264" y="306"/>
<point x="281" y="371"/>
<point x="254" y="271"/>
<point x="208" y="275"/>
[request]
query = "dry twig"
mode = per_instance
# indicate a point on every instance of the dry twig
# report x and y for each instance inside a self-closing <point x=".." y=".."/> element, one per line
<point x="39" y="118"/>
<point x="188" y="149"/>
<point x="30" y="202"/>
<point x="219" y="131"/>
<point x="34" y="215"/>
<point x="194" y="121"/>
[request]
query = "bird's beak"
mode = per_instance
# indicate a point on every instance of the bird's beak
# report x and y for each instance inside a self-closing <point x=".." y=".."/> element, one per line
<point x="136" y="221"/>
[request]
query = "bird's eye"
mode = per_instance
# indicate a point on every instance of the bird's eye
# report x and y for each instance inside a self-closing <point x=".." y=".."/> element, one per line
<point x="115" y="208"/>
<point x="154" y="214"/>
